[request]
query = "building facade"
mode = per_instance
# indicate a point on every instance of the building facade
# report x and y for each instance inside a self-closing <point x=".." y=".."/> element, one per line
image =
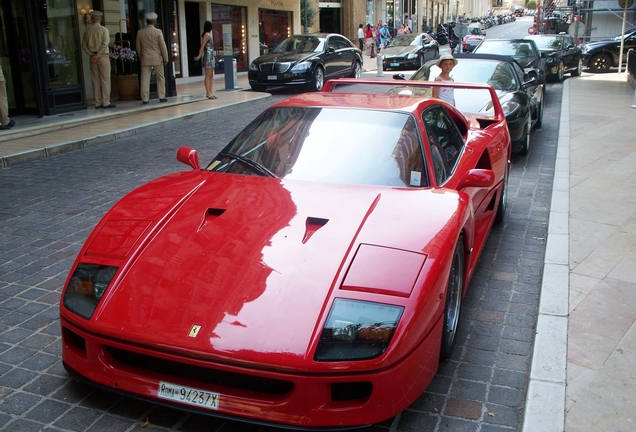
<point x="48" y="73"/>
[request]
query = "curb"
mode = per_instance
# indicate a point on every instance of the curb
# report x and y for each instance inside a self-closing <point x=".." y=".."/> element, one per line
<point x="79" y="143"/>
<point x="545" y="400"/>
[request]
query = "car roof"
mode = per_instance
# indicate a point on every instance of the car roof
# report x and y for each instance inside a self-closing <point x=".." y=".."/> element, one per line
<point x="355" y="100"/>
<point x="477" y="56"/>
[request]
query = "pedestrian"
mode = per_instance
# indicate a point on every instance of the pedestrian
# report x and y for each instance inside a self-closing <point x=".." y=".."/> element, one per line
<point x="206" y="54"/>
<point x="369" y="35"/>
<point x="152" y="52"/>
<point x="446" y="63"/>
<point x="361" y="37"/>
<point x="95" y="44"/>
<point x="378" y="36"/>
<point x="385" y="36"/>
<point x="404" y="29"/>
<point x="5" y="121"/>
<point x="409" y="23"/>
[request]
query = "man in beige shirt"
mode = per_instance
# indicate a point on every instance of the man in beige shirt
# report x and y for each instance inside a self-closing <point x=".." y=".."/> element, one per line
<point x="152" y="51"/>
<point x="95" y="44"/>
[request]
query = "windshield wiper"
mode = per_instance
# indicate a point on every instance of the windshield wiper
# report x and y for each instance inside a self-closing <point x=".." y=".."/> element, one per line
<point x="249" y="163"/>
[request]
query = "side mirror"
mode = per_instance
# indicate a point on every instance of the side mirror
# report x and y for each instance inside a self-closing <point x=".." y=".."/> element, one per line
<point x="480" y="178"/>
<point x="399" y="76"/>
<point x="530" y="83"/>
<point x="331" y="50"/>
<point x="188" y="156"/>
<point x="569" y="47"/>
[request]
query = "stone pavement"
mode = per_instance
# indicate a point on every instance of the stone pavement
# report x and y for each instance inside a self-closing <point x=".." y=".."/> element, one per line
<point x="582" y="376"/>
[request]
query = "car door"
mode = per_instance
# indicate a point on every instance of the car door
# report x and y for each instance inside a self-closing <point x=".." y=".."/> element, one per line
<point x="336" y="57"/>
<point x="570" y="57"/>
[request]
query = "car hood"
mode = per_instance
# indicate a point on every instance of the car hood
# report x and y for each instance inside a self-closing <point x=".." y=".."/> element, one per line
<point x="252" y="261"/>
<point x="398" y="50"/>
<point x="285" y="57"/>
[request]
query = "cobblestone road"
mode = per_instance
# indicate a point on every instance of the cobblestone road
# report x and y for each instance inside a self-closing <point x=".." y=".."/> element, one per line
<point x="48" y="207"/>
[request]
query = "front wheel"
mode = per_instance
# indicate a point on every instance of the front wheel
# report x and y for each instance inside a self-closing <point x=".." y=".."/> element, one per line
<point x="600" y="63"/>
<point x="503" y="200"/>
<point x="559" y="74"/>
<point x="526" y="139"/>
<point x="453" y="301"/>
<point x="318" y="79"/>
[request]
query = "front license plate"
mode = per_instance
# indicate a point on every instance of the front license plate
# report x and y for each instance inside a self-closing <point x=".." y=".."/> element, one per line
<point x="272" y="77"/>
<point x="188" y="395"/>
<point x="395" y="64"/>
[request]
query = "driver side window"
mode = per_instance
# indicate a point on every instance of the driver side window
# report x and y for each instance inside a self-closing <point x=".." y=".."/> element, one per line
<point x="445" y="142"/>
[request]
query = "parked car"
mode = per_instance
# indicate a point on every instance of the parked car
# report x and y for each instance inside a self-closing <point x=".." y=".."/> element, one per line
<point x="520" y="93"/>
<point x="306" y="60"/>
<point x="525" y="51"/>
<point x="556" y="25"/>
<point x="601" y="55"/>
<point x="315" y="266"/>
<point x="561" y="55"/>
<point x="409" y="51"/>
<point x="474" y="37"/>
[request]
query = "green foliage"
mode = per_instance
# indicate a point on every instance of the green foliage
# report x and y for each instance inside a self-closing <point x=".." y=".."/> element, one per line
<point x="308" y="13"/>
<point x="531" y="4"/>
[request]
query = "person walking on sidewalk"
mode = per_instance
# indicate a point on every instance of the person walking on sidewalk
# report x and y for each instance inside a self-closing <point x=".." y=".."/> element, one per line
<point x="206" y="54"/>
<point x="369" y="35"/>
<point x="152" y="52"/>
<point x="95" y="44"/>
<point x="5" y="121"/>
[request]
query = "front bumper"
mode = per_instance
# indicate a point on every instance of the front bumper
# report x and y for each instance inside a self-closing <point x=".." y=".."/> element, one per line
<point x="279" y="79"/>
<point x="300" y="400"/>
<point x="400" y="62"/>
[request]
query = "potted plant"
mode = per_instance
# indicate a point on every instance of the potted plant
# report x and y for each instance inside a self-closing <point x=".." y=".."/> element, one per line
<point x="125" y="67"/>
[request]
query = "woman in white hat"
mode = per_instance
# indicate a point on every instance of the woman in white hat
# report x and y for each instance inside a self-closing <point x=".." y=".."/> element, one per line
<point x="446" y="63"/>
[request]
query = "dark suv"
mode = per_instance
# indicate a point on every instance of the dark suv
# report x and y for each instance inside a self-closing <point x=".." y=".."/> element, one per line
<point x="601" y="55"/>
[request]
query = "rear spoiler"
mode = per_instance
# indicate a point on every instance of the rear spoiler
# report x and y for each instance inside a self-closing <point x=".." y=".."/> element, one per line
<point x="330" y="85"/>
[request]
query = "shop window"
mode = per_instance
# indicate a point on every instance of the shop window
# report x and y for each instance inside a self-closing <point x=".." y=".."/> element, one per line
<point x="236" y="17"/>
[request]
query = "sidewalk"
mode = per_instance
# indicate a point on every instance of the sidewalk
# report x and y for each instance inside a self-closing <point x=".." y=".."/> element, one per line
<point x="584" y="363"/>
<point x="583" y="371"/>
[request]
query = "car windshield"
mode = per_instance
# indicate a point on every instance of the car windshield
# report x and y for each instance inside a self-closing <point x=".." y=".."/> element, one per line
<point x="300" y="44"/>
<point x="406" y="40"/>
<point x="329" y="145"/>
<point x="508" y="48"/>
<point x="548" y="43"/>
<point x="628" y="33"/>
<point x="497" y="74"/>
<point x="475" y="30"/>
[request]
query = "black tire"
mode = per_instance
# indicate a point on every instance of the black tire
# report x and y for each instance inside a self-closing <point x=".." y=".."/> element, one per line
<point x="559" y="75"/>
<point x="453" y="305"/>
<point x="356" y="71"/>
<point x="318" y="79"/>
<point x="258" y="87"/>
<point x="539" y="121"/>
<point x="503" y="199"/>
<point x="579" y="69"/>
<point x="600" y="63"/>
<point x="526" y="140"/>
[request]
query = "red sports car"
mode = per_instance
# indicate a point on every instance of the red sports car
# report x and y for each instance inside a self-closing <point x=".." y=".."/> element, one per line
<point x="310" y="276"/>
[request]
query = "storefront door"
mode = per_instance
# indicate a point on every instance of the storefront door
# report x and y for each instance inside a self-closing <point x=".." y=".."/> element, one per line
<point x="18" y="63"/>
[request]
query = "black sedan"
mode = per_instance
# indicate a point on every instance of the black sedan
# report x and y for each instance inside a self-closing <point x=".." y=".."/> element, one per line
<point x="525" y="51"/>
<point x="306" y="60"/>
<point x="561" y="55"/>
<point x="409" y="51"/>
<point x="519" y="91"/>
<point x="599" y="56"/>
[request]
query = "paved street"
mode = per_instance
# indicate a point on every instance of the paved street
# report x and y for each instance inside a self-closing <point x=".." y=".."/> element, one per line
<point x="49" y="206"/>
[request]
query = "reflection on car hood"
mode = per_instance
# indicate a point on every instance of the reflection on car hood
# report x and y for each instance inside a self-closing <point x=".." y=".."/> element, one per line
<point x="284" y="57"/>
<point x="240" y="257"/>
<point x="398" y="50"/>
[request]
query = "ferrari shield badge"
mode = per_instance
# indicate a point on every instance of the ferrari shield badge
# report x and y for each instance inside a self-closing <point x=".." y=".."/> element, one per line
<point x="194" y="331"/>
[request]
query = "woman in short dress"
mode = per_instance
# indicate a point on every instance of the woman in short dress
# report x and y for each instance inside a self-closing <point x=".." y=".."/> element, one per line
<point x="206" y="54"/>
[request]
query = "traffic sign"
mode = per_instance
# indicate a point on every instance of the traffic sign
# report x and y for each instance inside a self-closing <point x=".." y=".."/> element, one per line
<point x="577" y="29"/>
<point x="624" y="4"/>
<point x="460" y="30"/>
